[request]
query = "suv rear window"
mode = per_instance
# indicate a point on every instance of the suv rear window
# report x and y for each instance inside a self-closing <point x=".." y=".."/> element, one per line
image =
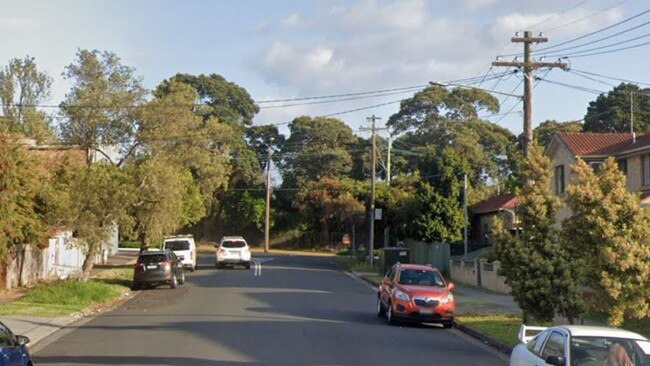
<point x="151" y="259"/>
<point x="233" y="244"/>
<point x="177" y="245"/>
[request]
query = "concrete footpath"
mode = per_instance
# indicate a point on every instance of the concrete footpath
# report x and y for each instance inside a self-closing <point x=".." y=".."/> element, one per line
<point x="469" y="300"/>
<point x="38" y="328"/>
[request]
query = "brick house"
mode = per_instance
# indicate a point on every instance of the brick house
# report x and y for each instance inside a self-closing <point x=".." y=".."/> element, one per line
<point x="631" y="152"/>
<point x="484" y="213"/>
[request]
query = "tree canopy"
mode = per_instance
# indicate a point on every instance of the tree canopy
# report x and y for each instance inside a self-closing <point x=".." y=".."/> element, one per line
<point x="611" y="112"/>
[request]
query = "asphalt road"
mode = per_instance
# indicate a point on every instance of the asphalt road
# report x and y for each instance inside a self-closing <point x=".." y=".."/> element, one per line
<point x="297" y="311"/>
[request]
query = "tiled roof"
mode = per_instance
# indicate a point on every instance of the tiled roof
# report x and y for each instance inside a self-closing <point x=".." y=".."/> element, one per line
<point x="599" y="144"/>
<point x="494" y="204"/>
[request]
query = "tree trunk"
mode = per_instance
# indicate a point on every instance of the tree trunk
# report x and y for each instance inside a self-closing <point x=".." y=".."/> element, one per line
<point x="89" y="261"/>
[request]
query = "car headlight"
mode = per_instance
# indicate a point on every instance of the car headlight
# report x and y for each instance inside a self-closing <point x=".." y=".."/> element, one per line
<point x="402" y="295"/>
<point x="447" y="299"/>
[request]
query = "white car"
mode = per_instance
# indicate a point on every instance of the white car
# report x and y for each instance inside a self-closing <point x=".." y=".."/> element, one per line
<point x="184" y="248"/>
<point x="576" y="345"/>
<point x="233" y="250"/>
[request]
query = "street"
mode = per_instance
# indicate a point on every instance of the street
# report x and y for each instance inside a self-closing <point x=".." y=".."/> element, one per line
<point x="293" y="310"/>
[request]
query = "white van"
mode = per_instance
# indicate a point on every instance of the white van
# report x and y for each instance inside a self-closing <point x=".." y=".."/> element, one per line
<point x="183" y="246"/>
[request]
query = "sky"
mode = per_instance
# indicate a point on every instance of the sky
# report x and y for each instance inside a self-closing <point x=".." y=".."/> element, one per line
<point x="285" y="49"/>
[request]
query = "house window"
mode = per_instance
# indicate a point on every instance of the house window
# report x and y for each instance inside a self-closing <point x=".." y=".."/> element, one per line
<point x="622" y="165"/>
<point x="646" y="169"/>
<point x="595" y="165"/>
<point x="559" y="179"/>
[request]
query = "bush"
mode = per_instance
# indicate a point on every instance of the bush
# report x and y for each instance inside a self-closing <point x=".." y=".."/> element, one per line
<point x="129" y="244"/>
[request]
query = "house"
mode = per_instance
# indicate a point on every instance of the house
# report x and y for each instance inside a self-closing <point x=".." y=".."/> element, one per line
<point x="631" y="152"/>
<point x="484" y="213"/>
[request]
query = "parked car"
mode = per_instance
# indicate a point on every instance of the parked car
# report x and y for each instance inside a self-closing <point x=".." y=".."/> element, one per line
<point x="158" y="267"/>
<point x="185" y="249"/>
<point x="233" y="250"/>
<point x="578" y="345"/>
<point x="13" y="348"/>
<point x="411" y="292"/>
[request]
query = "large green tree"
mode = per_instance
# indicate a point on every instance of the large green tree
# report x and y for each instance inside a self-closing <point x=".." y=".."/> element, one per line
<point x="611" y="112"/>
<point x="22" y="184"/>
<point x="537" y="266"/>
<point x="22" y="89"/>
<point x="316" y="148"/>
<point x="609" y="237"/>
<point x="100" y="108"/>
<point x="545" y="131"/>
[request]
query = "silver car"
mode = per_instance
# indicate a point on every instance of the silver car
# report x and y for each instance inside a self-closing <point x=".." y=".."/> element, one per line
<point x="575" y="345"/>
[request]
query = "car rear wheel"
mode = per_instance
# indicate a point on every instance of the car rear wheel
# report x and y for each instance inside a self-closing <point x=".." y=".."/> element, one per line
<point x="182" y="279"/>
<point x="448" y="324"/>
<point x="174" y="282"/>
<point x="381" y="311"/>
<point x="136" y="286"/>
<point x="247" y="265"/>
<point x="390" y="318"/>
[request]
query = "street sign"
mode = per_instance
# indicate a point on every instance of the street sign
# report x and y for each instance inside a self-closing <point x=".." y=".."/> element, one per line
<point x="346" y="240"/>
<point x="378" y="214"/>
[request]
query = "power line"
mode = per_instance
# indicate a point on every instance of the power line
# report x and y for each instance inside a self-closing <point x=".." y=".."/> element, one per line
<point x="586" y="35"/>
<point x="555" y="52"/>
<point x="587" y="17"/>
<point x="608" y="77"/>
<point x="610" y="51"/>
<point x="582" y="52"/>
<point x="556" y="15"/>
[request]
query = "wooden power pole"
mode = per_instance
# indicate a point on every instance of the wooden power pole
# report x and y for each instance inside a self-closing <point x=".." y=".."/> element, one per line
<point x="267" y="211"/>
<point x="528" y="66"/>
<point x="371" y="216"/>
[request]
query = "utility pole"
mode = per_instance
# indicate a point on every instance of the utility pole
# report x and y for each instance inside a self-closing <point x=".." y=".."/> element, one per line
<point x="390" y="145"/>
<point x="632" y="115"/>
<point x="465" y="212"/>
<point x="371" y="216"/>
<point x="528" y="66"/>
<point x="267" y="212"/>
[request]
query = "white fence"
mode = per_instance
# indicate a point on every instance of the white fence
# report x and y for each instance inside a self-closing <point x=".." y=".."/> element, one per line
<point x="63" y="258"/>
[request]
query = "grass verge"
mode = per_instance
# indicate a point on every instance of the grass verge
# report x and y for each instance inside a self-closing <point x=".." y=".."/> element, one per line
<point x="502" y="327"/>
<point x="68" y="297"/>
<point x="351" y="264"/>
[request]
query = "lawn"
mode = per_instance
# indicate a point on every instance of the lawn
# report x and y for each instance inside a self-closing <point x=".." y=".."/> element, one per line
<point x="502" y="327"/>
<point x="71" y="296"/>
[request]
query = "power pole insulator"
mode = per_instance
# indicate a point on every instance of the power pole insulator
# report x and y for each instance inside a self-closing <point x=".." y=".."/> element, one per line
<point x="528" y="66"/>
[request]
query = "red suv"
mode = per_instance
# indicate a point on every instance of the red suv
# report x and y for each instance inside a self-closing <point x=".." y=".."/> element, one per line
<point x="416" y="293"/>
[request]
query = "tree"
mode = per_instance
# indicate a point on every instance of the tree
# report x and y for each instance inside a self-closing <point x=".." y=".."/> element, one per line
<point x="611" y="112"/>
<point x="100" y="109"/>
<point x="317" y="148"/>
<point x="329" y="203"/>
<point x="609" y="237"/>
<point x="263" y="138"/>
<point x="22" y="182"/>
<point x="96" y="199"/>
<point x="22" y="88"/>
<point x="225" y="100"/>
<point x="537" y="266"/>
<point x="436" y="103"/>
<point x="545" y="131"/>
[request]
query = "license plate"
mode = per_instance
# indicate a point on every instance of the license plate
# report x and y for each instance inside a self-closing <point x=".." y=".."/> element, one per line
<point x="152" y="266"/>
<point x="426" y="311"/>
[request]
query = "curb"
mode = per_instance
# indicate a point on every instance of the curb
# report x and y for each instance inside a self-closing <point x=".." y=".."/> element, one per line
<point x="484" y="338"/>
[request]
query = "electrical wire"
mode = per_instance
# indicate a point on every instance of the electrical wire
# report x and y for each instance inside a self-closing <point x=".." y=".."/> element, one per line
<point x="582" y="52"/>
<point x="587" y="17"/>
<point x="556" y="15"/>
<point x="608" y="77"/>
<point x="609" y="51"/>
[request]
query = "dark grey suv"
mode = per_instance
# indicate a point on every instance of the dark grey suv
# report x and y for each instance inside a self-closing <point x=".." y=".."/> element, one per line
<point x="155" y="267"/>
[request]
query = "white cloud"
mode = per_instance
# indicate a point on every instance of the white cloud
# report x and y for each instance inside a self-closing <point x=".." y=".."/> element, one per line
<point x="399" y="14"/>
<point x="291" y="21"/>
<point x="477" y="4"/>
<point x="18" y="25"/>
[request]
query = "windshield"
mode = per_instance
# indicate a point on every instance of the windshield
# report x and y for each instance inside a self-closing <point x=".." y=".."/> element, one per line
<point x="177" y="245"/>
<point x="609" y="351"/>
<point x="233" y="244"/>
<point x="421" y="278"/>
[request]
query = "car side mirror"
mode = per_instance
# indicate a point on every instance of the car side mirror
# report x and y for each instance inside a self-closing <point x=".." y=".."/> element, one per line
<point x="451" y="285"/>
<point x="386" y="281"/>
<point x="555" y="360"/>
<point x="22" y="340"/>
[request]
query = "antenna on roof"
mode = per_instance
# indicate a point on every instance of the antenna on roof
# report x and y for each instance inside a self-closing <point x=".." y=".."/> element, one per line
<point x="632" y="116"/>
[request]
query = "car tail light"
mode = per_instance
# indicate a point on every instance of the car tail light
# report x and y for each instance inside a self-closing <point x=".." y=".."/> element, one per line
<point x="138" y="265"/>
<point x="221" y="250"/>
<point x="166" y="263"/>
